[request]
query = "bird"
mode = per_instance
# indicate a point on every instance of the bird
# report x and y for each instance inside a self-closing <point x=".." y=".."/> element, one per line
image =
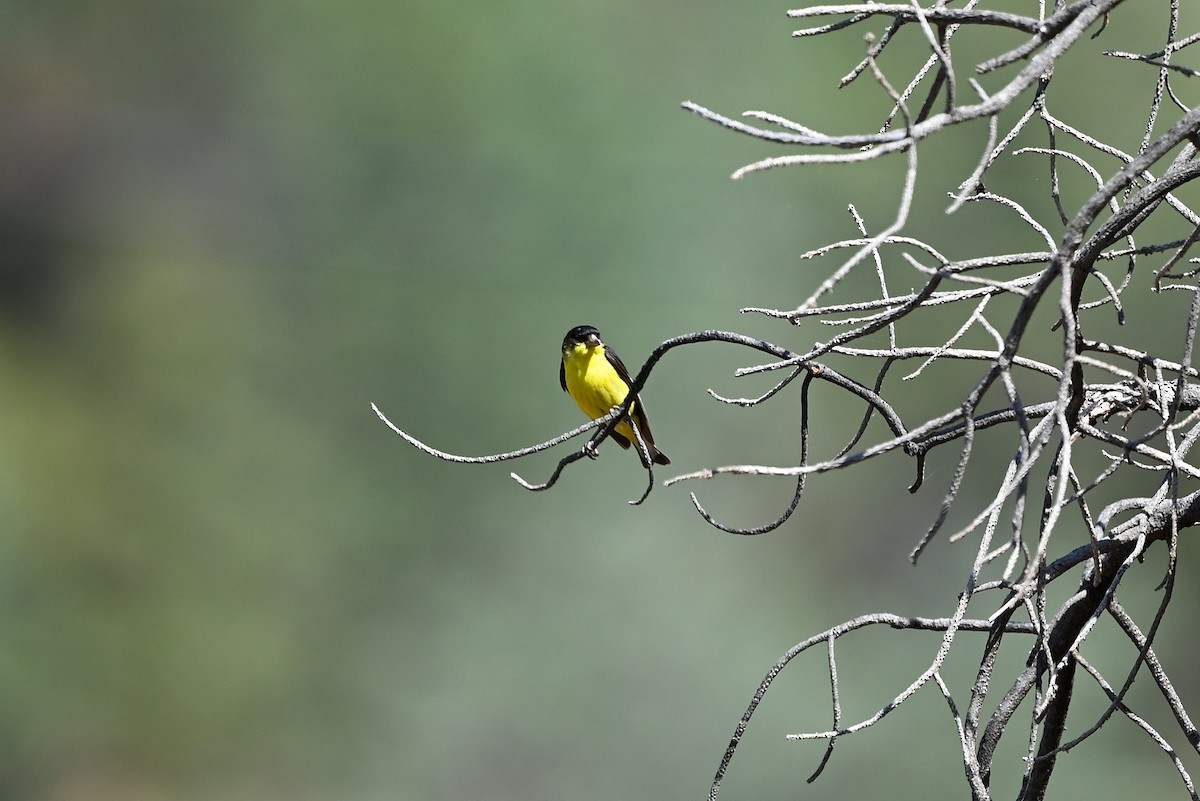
<point x="596" y="378"/>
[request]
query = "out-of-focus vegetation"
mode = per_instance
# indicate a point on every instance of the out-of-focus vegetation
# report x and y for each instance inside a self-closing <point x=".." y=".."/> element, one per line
<point x="227" y="227"/>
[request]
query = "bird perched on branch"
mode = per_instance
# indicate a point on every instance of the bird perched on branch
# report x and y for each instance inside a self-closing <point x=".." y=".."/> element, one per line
<point x="592" y="374"/>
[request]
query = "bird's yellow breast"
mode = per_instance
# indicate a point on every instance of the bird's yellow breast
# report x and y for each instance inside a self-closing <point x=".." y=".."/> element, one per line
<point x="592" y="381"/>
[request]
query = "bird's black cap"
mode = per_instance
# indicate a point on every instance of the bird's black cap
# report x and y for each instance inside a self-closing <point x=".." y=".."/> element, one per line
<point x="580" y="334"/>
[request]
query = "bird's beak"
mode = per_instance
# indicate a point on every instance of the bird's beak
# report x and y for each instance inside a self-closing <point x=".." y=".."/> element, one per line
<point x="592" y="341"/>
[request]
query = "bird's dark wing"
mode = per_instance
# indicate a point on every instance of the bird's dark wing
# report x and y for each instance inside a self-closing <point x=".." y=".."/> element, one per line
<point x="639" y="416"/>
<point x="562" y="375"/>
<point x="639" y="409"/>
<point x="618" y="365"/>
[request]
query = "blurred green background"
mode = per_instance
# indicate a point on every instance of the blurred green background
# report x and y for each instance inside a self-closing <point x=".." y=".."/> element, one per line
<point x="226" y="228"/>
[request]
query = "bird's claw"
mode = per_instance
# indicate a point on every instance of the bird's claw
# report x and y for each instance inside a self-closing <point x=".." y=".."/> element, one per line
<point x="589" y="450"/>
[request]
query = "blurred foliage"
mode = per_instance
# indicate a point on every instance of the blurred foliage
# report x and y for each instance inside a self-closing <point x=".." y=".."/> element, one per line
<point x="225" y="228"/>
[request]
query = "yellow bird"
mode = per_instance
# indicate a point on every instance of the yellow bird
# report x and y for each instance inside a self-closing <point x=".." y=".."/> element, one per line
<point x="592" y="374"/>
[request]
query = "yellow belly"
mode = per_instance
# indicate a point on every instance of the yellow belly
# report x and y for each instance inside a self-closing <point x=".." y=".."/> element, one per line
<point x="595" y="385"/>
